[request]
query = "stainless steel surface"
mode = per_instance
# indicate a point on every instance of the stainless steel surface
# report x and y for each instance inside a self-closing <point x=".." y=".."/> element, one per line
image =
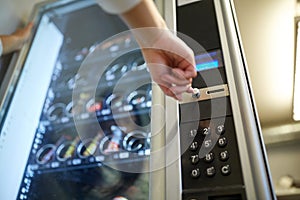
<point x="206" y="93"/>
<point x="247" y="126"/>
<point x="184" y="2"/>
<point x="157" y="156"/>
<point x="173" y="168"/>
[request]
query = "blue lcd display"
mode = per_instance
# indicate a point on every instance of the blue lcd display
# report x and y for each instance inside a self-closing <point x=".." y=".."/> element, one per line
<point x="207" y="65"/>
<point x="209" y="60"/>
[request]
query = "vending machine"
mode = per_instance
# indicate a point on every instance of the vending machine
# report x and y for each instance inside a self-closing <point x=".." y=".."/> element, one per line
<point x="82" y="119"/>
<point x="218" y="137"/>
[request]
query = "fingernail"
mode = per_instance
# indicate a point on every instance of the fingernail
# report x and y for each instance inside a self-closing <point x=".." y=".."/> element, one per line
<point x="190" y="89"/>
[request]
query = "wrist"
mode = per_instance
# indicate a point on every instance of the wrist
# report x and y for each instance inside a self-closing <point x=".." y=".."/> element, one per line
<point x="145" y="22"/>
<point x="144" y="14"/>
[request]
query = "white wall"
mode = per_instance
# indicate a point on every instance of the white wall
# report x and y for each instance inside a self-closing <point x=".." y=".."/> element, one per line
<point x="284" y="159"/>
<point x="14" y="13"/>
<point x="267" y="30"/>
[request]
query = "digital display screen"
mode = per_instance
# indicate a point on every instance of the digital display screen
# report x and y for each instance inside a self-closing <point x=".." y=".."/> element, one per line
<point x="209" y="60"/>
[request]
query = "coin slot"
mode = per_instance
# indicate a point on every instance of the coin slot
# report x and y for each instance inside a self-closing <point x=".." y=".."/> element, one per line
<point x="215" y="91"/>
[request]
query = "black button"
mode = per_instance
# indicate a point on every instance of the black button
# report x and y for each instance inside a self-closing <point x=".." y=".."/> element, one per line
<point x="220" y="129"/>
<point x="194" y="146"/>
<point x="194" y="159"/>
<point x="193" y="132"/>
<point x="210" y="171"/>
<point x="195" y="173"/>
<point x="222" y="142"/>
<point x="209" y="157"/>
<point x="206" y="131"/>
<point x="224" y="155"/>
<point x="225" y="170"/>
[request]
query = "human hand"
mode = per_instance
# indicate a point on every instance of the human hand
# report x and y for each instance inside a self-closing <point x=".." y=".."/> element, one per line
<point x="170" y="61"/>
<point x="22" y="35"/>
<point x="16" y="40"/>
<point x="171" y="64"/>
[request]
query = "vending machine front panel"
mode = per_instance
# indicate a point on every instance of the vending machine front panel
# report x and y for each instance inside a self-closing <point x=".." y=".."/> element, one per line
<point x="220" y="152"/>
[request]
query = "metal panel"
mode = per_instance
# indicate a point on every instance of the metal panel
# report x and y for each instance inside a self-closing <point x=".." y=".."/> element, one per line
<point x="253" y="157"/>
<point x="173" y="165"/>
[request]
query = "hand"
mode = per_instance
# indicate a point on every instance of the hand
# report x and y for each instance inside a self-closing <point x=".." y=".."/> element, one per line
<point x="16" y="40"/>
<point x="171" y="64"/>
<point x="22" y="35"/>
<point x="170" y="61"/>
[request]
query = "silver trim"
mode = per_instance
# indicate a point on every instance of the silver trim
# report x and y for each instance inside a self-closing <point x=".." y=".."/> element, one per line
<point x="89" y="146"/>
<point x="51" y="116"/>
<point x="253" y="157"/>
<point x="50" y="154"/>
<point x="206" y="93"/>
<point x="184" y="2"/>
<point x="173" y="168"/>
<point x="131" y="138"/>
<point x="16" y="65"/>
<point x="157" y="180"/>
<point x="173" y="155"/>
<point x="61" y="147"/>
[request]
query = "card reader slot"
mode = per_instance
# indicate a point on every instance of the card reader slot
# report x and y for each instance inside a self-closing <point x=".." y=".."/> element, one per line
<point x="205" y="94"/>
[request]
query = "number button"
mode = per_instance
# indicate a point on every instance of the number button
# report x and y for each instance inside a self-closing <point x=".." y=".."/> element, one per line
<point x="220" y="129"/>
<point x="209" y="157"/>
<point x="225" y="170"/>
<point x="222" y="142"/>
<point x="195" y="173"/>
<point x="194" y="159"/>
<point x="193" y="133"/>
<point x="194" y="146"/>
<point x="207" y="143"/>
<point x="210" y="171"/>
<point x="206" y="131"/>
<point x="224" y="155"/>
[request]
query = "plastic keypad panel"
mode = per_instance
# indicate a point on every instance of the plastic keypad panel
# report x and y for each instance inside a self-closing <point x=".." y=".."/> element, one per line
<point x="210" y="162"/>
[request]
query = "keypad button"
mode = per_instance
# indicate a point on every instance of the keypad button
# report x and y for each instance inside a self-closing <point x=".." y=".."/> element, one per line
<point x="225" y="170"/>
<point x="207" y="143"/>
<point x="195" y="173"/>
<point x="224" y="155"/>
<point x="220" y="129"/>
<point x="209" y="157"/>
<point x="210" y="171"/>
<point x="222" y="142"/>
<point x="194" y="146"/>
<point x="206" y="131"/>
<point x="194" y="159"/>
<point x="193" y="132"/>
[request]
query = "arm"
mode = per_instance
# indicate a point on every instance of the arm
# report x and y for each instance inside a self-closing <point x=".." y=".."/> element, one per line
<point x="16" y="40"/>
<point x="170" y="61"/>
